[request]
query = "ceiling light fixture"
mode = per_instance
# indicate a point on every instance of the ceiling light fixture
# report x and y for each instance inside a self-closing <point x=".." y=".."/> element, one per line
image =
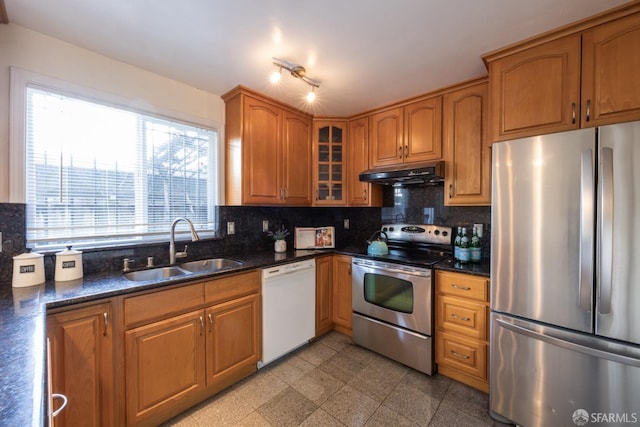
<point x="297" y="71"/>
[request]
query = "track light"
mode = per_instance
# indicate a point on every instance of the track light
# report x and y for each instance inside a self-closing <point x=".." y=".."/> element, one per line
<point x="276" y="75"/>
<point x="297" y="71"/>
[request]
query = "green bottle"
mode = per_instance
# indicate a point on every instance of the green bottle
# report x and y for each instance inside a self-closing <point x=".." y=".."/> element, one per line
<point x="465" y="253"/>
<point x="475" y="247"/>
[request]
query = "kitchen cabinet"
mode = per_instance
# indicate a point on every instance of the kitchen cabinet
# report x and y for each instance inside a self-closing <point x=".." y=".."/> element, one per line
<point x="467" y="150"/>
<point x="407" y="134"/>
<point x="82" y="357"/>
<point x="588" y="78"/>
<point x="341" y="287"/>
<point x="610" y="64"/>
<point x="329" y="162"/>
<point x="186" y="343"/>
<point x="462" y="328"/>
<point x="360" y="193"/>
<point x="324" y="270"/>
<point x="268" y="151"/>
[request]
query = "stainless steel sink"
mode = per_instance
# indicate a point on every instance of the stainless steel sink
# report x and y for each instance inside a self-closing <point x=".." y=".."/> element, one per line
<point x="156" y="274"/>
<point x="210" y="265"/>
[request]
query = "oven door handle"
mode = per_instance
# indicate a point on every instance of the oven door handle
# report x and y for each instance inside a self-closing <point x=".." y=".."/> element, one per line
<point x="399" y="270"/>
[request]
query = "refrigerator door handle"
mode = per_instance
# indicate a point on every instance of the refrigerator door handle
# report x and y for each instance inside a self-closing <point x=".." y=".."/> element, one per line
<point x="605" y="254"/>
<point x="585" y="273"/>
<point x="564" y="339"/>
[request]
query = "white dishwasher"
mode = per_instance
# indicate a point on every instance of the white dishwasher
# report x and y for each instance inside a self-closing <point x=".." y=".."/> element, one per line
<point x="288" y="308"/>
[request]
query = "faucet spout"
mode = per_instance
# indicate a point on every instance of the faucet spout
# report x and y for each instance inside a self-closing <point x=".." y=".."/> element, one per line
<point x="172" y="240"/>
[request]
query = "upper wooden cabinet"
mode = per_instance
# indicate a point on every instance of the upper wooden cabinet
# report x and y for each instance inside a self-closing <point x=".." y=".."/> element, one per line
<point x="536" y="88"/>
<point x="610" y="72"/>
<point x="360" y="193"/>
<point x="412" y="133"/>
<point x="467" y="150"/>
<point x="329" y="162"/>
<point x="268" y="151"/>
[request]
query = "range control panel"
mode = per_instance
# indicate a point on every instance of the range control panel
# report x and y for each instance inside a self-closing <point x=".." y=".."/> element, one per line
<point x="421" y="233"/>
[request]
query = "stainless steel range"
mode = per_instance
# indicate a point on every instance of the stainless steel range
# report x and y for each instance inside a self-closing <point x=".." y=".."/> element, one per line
<point x="393" y="294"/>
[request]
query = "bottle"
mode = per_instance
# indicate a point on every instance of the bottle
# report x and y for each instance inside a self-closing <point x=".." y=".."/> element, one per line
<point x="464" y="247"/>
<point x="456" y="245"/>
<point x="476" y="250"/>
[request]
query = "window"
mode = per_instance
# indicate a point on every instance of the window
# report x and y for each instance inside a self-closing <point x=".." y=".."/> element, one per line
<point x="101" y="175"/>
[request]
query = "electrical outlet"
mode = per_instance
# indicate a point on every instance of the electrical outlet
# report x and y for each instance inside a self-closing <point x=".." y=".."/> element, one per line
<point x="265" y="226"/>
<point x="231" y="227"/>
<point x="346" y="223"/>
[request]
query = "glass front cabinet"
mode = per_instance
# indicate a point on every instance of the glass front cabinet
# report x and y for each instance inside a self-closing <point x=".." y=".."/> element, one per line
<point x="329" y="168"/>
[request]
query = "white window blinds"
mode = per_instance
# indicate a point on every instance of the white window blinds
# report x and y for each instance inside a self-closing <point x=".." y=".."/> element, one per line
<point x="97" y="175"/>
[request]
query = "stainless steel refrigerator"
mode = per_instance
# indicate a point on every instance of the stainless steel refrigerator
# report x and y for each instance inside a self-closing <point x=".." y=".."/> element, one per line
<point x="565" y="278"/>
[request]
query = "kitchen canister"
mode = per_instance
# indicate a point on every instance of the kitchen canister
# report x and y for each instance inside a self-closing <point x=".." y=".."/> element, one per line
<point x="28" y="270"/>
<point x="68" y="265"/>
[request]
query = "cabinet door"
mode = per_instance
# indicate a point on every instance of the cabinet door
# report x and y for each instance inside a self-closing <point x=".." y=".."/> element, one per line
<point x="261" y="154"/>
<point x="467" y="150"/>
<point x="82" y="363"/>
<point x="386" y="138"/>
<point x="233" y="339"/>
<point x="537" y="90"/>
<point x="610" y="72"/>
<point x="423" y="130"/>
<point x="295" y="160"/>
<point x="324" y="321"/>
<point x="360" y="193"/>
<point x="329" y="162"/>
<point x="342" y="310"/>
<point x="164" y="366"/>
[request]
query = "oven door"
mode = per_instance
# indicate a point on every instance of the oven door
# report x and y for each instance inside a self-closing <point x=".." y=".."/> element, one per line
<point x="394" y="293"/>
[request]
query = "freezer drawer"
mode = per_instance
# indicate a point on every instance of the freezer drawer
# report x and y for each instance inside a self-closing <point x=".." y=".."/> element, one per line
<point x="545" y="376"/>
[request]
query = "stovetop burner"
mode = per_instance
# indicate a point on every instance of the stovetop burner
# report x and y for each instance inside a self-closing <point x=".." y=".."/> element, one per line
<point x="418" y="244"/>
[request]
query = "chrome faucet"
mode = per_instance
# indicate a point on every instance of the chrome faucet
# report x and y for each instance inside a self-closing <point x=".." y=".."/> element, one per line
<point x="172" y="244"/>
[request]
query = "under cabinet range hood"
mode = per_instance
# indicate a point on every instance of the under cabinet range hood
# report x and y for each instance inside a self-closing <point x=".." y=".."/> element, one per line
<point x="416" y="174"/>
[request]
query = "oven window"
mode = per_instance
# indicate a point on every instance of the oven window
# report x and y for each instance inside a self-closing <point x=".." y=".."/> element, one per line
<point x="388" y="292"/>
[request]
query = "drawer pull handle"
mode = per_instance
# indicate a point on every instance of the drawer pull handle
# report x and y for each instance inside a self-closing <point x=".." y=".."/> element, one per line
<point x="461" y="356"/>
<point x="455" y="316"/>
<point x="464" y="288"/>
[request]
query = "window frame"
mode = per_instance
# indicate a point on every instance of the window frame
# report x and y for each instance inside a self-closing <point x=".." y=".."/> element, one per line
<point x="22" y="79"/>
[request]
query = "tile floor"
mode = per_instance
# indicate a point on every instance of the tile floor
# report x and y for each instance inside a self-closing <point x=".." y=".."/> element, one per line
<point x="332" y="382"/>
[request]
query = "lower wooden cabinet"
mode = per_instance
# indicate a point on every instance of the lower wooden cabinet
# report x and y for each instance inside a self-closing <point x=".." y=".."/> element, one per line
<point x="174" y="362"/>
<point x="82" y="358"/>
<point x="341" y="287"/>
<point x="462" y="328"/>
<point x="324" y="295"/>
<point x="164" y="365"/>
<point x="233" y="342"/>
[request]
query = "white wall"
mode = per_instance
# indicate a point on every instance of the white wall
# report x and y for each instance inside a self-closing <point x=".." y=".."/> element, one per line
<point x="32" y="51"/>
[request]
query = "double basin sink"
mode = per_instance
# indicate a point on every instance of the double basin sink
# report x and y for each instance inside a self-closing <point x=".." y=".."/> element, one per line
<point x="205" y="266"/>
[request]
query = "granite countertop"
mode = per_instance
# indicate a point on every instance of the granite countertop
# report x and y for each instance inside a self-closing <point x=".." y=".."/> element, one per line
<point x="23" y="320"/>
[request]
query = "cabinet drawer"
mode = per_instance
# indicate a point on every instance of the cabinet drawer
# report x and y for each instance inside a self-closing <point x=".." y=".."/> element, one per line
<point x="231" y="287"/>
<point x="465" y="355"/>
<point x="462" y="316"/>
<point x="162" y="304"/>
<point x="462" y="285"/>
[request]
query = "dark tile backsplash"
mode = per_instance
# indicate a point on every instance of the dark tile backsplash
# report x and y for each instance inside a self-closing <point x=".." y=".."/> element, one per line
<point x="410" y="204"/>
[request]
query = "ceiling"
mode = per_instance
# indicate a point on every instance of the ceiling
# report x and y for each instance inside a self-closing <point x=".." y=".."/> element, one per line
<point x="365" y="53"/>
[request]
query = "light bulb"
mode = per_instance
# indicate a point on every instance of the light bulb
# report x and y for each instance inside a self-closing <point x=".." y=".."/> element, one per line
<point x="275" y="76"/>
<point x="311" y="96"/>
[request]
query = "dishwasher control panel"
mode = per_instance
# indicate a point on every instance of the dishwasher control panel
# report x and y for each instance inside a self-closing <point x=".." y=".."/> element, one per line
<point x="288" y="268"/>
